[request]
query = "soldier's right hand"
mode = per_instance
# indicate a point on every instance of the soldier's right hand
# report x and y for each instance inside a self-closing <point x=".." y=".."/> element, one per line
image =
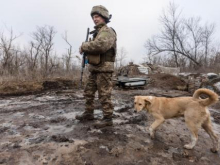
<point x="80" y="50"/>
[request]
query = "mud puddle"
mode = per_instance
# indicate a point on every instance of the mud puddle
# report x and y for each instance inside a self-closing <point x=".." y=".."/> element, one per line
<point x="41" y="129"/>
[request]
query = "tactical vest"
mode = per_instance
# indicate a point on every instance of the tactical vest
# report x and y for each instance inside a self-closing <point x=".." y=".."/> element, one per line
<point x="108" y="56"/>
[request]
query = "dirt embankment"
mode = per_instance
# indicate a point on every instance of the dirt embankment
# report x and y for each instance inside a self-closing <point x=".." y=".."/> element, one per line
<point x="41" y="129"/>
<point x="19" y="88"/>
<point x="167" y="81"/>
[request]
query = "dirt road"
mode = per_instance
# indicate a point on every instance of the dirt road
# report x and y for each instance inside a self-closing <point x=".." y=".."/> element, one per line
<point x="42" y="130"/>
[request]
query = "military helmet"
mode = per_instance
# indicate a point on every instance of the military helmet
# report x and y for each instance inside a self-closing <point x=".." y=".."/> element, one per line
<point x="101" y="10"/>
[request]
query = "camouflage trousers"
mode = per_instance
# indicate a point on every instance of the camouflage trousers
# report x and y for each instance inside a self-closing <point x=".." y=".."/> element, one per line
<point x="101" y="82"/>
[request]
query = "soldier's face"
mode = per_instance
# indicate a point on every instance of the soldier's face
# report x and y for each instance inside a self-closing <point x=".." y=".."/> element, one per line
<point x="98" y="19"/>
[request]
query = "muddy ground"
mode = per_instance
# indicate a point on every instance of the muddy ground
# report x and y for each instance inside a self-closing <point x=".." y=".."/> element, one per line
<point x="41" y="130"/>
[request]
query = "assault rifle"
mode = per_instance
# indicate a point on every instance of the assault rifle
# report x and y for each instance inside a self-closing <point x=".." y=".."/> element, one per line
<point x="84" y="59"/>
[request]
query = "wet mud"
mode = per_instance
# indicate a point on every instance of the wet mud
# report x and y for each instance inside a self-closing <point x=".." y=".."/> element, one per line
<point x="41" y="130"/>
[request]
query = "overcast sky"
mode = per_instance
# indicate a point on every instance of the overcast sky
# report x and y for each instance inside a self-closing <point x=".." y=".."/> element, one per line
<point x="135" y="21"/>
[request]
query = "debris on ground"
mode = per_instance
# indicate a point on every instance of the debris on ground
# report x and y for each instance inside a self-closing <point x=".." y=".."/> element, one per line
<point x="139" y="69"/>
<point x="162" y="69"/>
<point x="167" y="78"/>
<point x="131" y="70"/>
<point x="154" y="77"/>
<point x="212" y="84"/>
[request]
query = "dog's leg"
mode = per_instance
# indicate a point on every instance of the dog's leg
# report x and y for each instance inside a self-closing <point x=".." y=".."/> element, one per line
<point x="207" y="126"/>
<point x="194" y="131"/>
<point x="159" y="120"/>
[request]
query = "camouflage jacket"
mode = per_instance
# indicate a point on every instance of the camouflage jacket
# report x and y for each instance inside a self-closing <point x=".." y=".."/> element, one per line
<point x="104" y="40"/>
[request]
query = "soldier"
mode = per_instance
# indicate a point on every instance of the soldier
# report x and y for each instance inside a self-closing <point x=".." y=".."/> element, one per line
<point x="101" y="52"/>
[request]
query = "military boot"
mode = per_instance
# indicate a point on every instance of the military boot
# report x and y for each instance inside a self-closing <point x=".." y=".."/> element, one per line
<point x="103" y="123"/>
<point x="85" y="116"/>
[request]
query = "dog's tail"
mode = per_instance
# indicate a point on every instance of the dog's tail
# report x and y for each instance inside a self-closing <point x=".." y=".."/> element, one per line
<point x="212" y="96"/>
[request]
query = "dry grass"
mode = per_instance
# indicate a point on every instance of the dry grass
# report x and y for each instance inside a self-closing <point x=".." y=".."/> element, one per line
<point x="20" y="88"/>
<point x="22" y="84"/>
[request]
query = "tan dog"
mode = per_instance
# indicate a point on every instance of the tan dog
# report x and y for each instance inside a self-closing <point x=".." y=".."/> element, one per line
<point x="193" y="109"/>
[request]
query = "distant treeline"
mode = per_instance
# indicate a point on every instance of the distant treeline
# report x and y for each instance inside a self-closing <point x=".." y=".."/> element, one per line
<point x="184" y="42"/>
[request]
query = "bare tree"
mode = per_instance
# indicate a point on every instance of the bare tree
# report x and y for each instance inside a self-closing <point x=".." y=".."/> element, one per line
<point x="120" y="57"/>
<point x="207" y="39"/>
<point x="153" y="59"/>
<point x="182" y="38"/>
<point x="7" y="51"/>
<point x="54" y="64"/>
<point x="19" y="60"/>
<point x="68" y="56"/>
<point x="33" y="53"/>
<point x="44" y="39"/>
<point x="171" y="21"/>
<point x="194" y="37"/>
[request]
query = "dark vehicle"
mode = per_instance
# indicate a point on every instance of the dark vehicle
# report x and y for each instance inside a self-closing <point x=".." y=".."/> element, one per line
<point x="124" y="82"/>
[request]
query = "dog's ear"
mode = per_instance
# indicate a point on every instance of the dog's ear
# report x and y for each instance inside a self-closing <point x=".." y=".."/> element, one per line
<point x="147" y="102"/>
<point x="135" y="97"/>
